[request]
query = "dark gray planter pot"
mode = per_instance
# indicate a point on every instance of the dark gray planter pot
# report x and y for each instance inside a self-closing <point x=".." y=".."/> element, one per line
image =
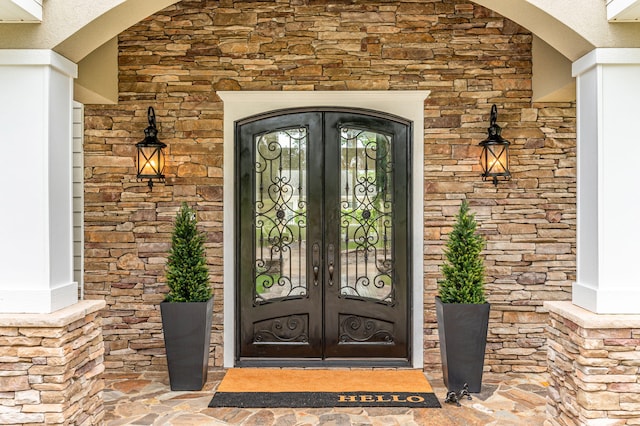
<point x="463" y="338"/>
<point x="187" y="337"/>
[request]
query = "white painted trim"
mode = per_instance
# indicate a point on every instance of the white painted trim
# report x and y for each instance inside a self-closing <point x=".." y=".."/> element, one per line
<point x="20" y="11"/>
<point x="406" y="104"/>
<point x="38" y="301"/>
<point x="623" y="10"/>
<point x="78" y="196"/>
<point x="617" y="299"/>
<point x="608" y="56"/>
<point x="38" y="57"/>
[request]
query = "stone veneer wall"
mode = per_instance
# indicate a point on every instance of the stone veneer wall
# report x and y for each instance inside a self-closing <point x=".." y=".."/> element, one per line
<point x="467" y="56"/>
<point x="594" y="366"/>
<point x="51" y="366"/>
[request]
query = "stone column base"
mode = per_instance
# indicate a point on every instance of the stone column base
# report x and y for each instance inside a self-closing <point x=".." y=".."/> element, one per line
<point x="594" y="366"/>
<point x="51" y="365"/>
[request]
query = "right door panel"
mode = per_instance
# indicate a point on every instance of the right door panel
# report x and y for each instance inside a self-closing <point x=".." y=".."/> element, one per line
<point x="366" y="192"/>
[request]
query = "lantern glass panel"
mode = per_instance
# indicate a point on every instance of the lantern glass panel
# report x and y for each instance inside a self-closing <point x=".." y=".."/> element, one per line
<point x="150" y="161"/>
<point x="502" y="160"/>
<point x="497" y="159"/>
<point x="494" y="160"/>
<point x="483" y="160"/>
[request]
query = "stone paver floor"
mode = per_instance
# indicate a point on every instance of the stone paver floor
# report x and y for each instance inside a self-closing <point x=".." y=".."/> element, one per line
<point x="145" y="399"/>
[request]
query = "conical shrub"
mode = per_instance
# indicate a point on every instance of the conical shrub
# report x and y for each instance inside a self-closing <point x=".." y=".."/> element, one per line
<point x="463" y="270"/>
<point x="187" y="272"/>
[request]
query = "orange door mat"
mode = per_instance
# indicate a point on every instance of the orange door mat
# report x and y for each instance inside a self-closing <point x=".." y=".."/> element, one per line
<point x="276" y="388"/>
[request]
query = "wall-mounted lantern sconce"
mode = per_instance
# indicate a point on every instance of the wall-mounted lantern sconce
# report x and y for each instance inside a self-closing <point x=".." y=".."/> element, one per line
<point x="494" y="158"/>
<point x="150" y="152"/>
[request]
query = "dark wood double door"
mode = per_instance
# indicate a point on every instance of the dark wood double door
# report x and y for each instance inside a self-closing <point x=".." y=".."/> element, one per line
<point x="322" y="234"/>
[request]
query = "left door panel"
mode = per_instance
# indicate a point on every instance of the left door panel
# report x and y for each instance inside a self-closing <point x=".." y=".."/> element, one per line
<point x="279" y="178"/>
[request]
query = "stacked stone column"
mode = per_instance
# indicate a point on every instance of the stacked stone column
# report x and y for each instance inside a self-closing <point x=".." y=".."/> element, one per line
<point x="51" y="365"/>
<point x="594" y="367"/>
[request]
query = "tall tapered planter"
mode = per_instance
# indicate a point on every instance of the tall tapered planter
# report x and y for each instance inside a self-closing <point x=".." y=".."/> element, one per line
<point x="187" y="337"/>
<point x="187" y="309"/>
<point x="462" y="328"/>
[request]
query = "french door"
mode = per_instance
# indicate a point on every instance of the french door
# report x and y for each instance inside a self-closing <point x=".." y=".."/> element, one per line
<point x="322" y="231"/>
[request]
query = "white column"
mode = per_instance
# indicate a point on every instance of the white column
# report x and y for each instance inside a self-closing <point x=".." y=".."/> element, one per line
<point x="608" y="256"/>
<point x="36" y="222"/>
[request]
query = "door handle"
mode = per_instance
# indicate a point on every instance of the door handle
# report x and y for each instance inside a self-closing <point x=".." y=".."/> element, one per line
<point x="315" y="255"/>
<point x="330" y="259"/>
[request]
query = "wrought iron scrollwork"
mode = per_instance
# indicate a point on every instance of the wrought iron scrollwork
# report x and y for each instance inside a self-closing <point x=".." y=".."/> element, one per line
<point x="290" y="329"/>
<point x="280" y="215"/>
<point x="366" y="216"/>
<point x="355" y="328"/>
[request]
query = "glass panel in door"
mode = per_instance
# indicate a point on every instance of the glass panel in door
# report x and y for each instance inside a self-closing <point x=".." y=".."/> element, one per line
<point x="281" y="214"/>
<point x="366" y="215"/>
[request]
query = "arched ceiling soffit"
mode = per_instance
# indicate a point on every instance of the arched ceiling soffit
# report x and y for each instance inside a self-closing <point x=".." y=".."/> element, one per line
<point x="572" y="27"/>
<point x="75" y="28"/>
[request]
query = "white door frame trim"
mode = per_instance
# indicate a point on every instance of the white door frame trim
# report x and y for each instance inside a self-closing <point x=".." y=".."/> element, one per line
<point x="406" y="104"/>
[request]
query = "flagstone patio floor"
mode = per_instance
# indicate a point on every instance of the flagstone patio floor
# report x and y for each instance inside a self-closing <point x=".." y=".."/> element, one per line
<point x="145" y="399"/>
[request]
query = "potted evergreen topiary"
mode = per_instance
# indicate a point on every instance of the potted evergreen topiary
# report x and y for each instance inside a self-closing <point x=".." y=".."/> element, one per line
<point x="461" y="307"/>
<point x="187" y="309"/>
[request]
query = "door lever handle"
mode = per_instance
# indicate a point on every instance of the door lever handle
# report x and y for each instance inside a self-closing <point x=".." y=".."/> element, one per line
<point x="330" y="273"/>
<point x="330" y="259"/>
<point x="315" y="255"/>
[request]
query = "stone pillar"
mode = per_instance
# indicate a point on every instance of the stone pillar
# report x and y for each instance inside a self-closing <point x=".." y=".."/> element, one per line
<point x="36" y="222"/>
<point x="608" y="90"/>
<point x="594" y="366"/>
<point x="51" y="367"/>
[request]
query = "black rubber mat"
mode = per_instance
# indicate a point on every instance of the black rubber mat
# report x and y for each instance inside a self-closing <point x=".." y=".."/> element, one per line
<point x="323" y="399"/>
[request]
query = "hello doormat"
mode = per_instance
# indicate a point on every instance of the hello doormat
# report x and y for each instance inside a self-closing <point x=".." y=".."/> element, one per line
<point x="315" y="388"/>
